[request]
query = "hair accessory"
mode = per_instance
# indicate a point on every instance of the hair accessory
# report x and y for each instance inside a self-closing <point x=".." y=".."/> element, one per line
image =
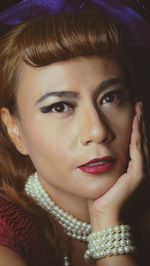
<point x="110" y="241"/>
<point x="136" y="27"/>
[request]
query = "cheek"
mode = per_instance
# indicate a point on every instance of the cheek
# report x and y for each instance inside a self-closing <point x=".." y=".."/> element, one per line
<point x="45" y="140"/>
<point x="121" y="122"/>
<point x="123" y="130"/>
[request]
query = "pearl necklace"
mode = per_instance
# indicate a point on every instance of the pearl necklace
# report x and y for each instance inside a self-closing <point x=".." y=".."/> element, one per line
<point x="73" y="227"/>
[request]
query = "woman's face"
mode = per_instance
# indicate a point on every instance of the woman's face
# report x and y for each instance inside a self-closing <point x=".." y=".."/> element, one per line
<point x="70" y="113"/>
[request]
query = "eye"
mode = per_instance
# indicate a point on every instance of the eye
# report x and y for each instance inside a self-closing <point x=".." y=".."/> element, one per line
<point x="113" y="97"/>
<point x="60" y="107"/>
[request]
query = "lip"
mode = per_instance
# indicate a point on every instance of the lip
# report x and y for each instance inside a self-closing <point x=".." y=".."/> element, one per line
<point x="106" y="164"/>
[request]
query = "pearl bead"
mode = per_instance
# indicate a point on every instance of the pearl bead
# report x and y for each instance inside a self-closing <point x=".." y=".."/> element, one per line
<point x="110" y="244"/>
<point x="127" y="234"/>
<point x="109" y="252"/>
<point x="73" y="227"/>
<point x="117" y="228"/>
<point x="127" y="249"/>
<point x="122" y="235"/>
<point x="117" y="236"/>
<point x="110" y="237"/>
<point x="116" y="243"/>
<point x="128" y="242"/>
<point x="121" y="250"/>
<point x="122" y="242"/>
<point x="115" y="251"/>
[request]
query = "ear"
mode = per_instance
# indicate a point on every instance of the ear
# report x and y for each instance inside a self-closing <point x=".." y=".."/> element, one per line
<point x="13" y="130"/>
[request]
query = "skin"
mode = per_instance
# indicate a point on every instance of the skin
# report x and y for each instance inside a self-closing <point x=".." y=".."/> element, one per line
<point x="94" y="125"/>
<point x="10" y="257"/>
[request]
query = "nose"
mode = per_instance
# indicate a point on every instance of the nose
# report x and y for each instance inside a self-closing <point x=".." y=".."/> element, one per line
<point x="93" y="127"/>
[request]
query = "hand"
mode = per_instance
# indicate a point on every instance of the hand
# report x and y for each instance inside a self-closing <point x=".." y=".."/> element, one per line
<point x="105" y="210"/>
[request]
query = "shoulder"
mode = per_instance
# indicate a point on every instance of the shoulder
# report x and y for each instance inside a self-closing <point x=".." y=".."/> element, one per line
<point x="20" y="231"/>
<point x="18" y="222"/>
<point x="9" y="257"/>
<point x="14" y="217"/>
<point x="15" y="223"/>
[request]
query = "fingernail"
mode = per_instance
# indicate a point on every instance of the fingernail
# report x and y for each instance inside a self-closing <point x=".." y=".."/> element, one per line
<point x="141" y="105"/>
<point x="139" y="108"/>
<point x="139" y="118"/>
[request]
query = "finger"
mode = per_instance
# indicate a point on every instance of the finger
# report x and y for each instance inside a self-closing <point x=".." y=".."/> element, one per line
<point x="144" y="141"/>
<point x="136" y="137"/>
<point x="136" y="134"/>
<point x="145" y="149"/>
<point x="139" y="108"/>
<point x="136" y="167"/>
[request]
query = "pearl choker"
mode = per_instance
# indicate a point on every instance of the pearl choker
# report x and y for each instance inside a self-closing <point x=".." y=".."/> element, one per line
<point x="73" y="227"/>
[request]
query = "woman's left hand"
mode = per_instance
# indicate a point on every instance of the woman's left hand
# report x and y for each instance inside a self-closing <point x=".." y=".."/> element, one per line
<point x="105" y="210"/>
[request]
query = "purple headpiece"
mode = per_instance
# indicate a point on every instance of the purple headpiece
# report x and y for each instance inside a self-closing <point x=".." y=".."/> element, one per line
<point x="136" y="27"/>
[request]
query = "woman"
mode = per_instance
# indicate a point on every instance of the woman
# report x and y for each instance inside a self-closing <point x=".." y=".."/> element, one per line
<point x="71" y="133"/>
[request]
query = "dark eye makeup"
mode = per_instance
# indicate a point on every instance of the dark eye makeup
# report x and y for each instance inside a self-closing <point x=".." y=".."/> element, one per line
<point x="59" y="107"/>
<point x="115" y="97"/>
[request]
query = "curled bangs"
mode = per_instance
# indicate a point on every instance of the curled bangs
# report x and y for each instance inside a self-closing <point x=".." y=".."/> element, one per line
<point x="54" y="38"/>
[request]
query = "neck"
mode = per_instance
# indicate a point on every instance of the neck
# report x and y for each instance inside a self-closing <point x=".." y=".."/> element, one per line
<point x="76" y="206"/>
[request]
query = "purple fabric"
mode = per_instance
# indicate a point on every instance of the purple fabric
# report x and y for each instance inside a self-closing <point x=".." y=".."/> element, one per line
<point x="137" y="29"/>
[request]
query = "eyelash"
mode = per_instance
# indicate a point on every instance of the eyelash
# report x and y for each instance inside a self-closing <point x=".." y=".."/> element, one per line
<point x="49" y="109"/>
<point x="120" y="96"/>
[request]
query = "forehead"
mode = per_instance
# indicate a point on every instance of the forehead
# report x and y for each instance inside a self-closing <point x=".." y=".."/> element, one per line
<point x="65" y="65"/>
<point x="68" y="73"/>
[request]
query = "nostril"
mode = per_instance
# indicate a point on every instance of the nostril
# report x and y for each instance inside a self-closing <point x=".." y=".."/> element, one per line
<point x="97" y="135"/>
<point x="110" y="138"/>
<point x="94" y="127"/>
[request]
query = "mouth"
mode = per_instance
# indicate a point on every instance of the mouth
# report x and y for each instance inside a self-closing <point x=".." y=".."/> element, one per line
<point x="98" y="165"/>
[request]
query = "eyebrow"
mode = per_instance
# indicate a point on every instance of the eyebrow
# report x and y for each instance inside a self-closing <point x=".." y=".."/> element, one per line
<point x="75" y="95"/>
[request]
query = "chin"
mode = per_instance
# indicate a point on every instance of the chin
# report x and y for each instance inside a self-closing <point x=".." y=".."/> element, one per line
<point x="99" y="190"/>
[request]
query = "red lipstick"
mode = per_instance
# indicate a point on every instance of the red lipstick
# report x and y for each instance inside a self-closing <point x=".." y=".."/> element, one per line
<point x="98" y="165"/>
